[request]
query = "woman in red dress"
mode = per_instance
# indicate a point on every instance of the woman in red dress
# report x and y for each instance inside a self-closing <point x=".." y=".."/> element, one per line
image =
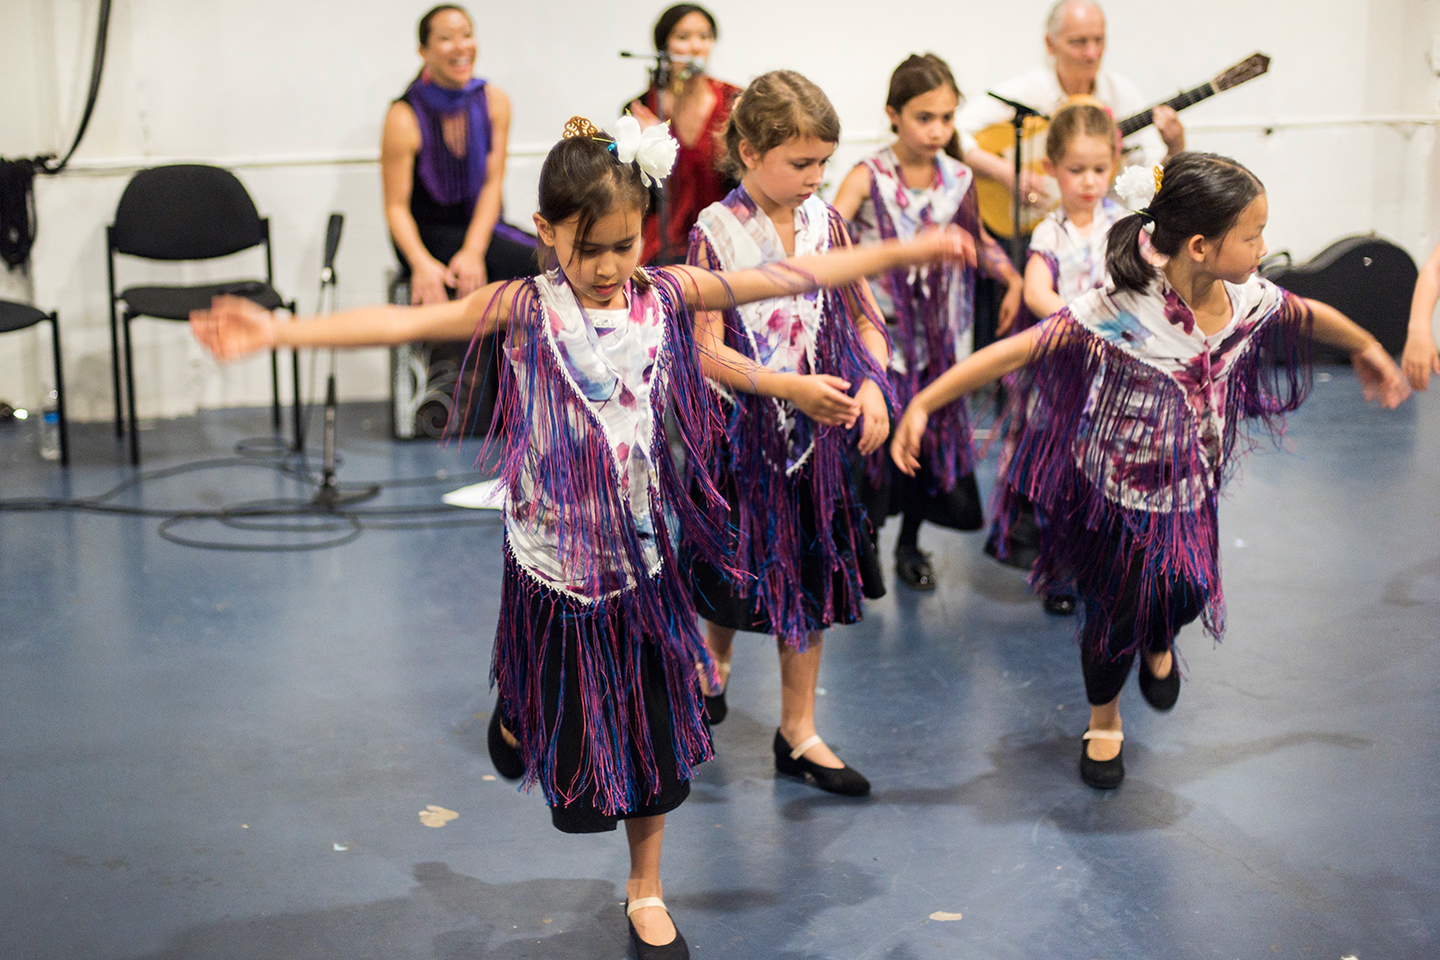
<point x="697" y="107"/>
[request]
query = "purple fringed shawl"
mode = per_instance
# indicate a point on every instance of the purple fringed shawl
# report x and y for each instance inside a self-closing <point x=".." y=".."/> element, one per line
<point x="760" y="451"/>
<point x="1077" y="265"/>
<point x="448" y="178"/>
<point x="1138" y="436"/>
<point x="561" y="471"/>
<point x="933" y="308"/>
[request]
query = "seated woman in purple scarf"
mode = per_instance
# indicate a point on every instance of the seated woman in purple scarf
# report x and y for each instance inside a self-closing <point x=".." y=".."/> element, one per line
<point x="442" y="161"/>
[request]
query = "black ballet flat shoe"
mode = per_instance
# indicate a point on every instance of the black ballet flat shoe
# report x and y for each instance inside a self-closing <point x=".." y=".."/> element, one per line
<point x="912" y="566"/>
<point x="791" y="762"/>
<point x="676" y="949"/>
<point x="1160" y="692"/>
<point x="507" y="760"/>
<point x="1102" y="774"/>
<point x="715" y="708"/>
<point x="1059" y="604"/>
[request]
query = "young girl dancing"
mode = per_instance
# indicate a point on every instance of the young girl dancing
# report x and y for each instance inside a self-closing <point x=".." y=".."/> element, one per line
<point x="1067" y="259"/>
<point x="1147" y="386"/>
<point x="596" y="649"/>
<point x="916" y="183"/>
<point x="784" y="468"/>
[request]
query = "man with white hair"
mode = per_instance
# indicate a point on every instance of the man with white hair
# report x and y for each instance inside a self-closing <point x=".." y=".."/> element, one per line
<point x="1075" y="40"/>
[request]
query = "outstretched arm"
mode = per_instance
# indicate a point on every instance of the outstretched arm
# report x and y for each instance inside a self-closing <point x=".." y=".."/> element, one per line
<point x="234" y="327"/>
<point x="1420" y="358"/>
<point x="706" y="290"/>
<point x="1380" y="378"/>
<point x="982" y="367"/>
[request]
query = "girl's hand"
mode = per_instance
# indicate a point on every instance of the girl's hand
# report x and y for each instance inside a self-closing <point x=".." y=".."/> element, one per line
<point x="905" y="447"/>
<point x="468" y="269"/>
<point x="945" y="245"/>
<point x="823" y="398"/>
<point x="1380" y="378"/>
<point x="428" y="281"/>
<point x="233" y="327"/>
<point x="1010" y="307"/>
<point x="1420" y="359"/>
<point x="876" y="425"/>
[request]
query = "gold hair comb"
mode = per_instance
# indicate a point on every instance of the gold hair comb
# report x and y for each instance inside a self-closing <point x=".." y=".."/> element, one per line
<point x="579" y="127"/>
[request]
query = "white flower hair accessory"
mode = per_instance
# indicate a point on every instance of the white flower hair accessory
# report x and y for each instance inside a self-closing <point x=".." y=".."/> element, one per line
<point x="653" y="150"/>
<point x="1137" y="186"/>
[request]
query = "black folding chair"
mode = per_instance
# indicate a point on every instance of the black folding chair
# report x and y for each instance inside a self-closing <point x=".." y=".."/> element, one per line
<point x="185" y="211"/>
<point x="19" y="316"/>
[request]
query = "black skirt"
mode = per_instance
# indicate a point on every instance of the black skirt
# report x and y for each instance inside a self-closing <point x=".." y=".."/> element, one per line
<point x="563" y="717"/>
<point x="725" y="603"/>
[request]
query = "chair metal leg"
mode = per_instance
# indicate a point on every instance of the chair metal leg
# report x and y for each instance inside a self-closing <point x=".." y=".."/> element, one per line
<point x="115" y="375"/>
<point x="114" y="334"/>
<point x="297" y="411"/>
<point x="275" y="390"/>
<point x="60" y="390"/>
<point x="130" y="399"/>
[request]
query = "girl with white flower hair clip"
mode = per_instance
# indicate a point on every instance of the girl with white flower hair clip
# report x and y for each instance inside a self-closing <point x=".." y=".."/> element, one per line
<point x="596" y="648"/>
<point x="1150" y="384"/>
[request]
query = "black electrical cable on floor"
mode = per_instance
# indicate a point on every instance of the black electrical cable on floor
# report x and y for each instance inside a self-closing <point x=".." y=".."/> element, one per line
<point x="344" y="524"/>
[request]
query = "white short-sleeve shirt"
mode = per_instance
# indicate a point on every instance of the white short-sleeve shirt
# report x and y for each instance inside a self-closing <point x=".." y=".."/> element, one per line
<point x="1040" y="88"/>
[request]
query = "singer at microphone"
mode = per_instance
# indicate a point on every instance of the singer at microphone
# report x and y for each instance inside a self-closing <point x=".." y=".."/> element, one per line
<point x="696" y="106"/>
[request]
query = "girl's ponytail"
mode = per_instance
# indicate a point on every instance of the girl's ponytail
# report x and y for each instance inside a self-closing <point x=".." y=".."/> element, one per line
<point x="1126" y="264"/>
<point x="1202" y="194"/>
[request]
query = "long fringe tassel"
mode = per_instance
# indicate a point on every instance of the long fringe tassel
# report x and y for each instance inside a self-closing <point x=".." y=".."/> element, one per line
<point x="923" y="302"/>
<point x="555" y="438"/>
<point x="769" y="537"/>
<point x="1175" y="537"/>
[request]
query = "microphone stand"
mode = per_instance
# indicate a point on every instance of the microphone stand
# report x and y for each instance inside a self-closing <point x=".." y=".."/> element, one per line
<point x="659" y="77"/>
<point x="329" y="496"/>
<point x="1022" y="113"/>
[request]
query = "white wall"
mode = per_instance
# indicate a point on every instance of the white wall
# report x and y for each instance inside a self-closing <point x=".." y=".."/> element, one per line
<point x="291" y="95"/>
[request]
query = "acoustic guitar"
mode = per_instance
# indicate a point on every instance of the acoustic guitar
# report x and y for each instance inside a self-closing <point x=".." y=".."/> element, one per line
<point x="999" y="138"/>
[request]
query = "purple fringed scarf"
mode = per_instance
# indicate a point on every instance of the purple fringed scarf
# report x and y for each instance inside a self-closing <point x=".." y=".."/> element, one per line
<point x="770" y="448"/>
<point x="1138" y="436"/>
<point x="561" y="471"/>
<point x="933" y="308"/>
<point x="448" y="178"/>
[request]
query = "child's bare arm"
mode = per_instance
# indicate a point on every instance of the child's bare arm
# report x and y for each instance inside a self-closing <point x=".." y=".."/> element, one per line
<point x="982" y="367"/>
<point x="1420" y="358"/>
<point x="1040" y="295"/>
<point x="1380" y="378"/>
<point x="234" y="327"/>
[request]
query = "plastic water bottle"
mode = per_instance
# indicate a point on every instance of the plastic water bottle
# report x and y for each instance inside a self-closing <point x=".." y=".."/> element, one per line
<point x="50" y="428"/>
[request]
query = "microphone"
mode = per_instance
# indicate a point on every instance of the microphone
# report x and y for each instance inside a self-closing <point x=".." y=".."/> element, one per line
<point x="332" y="245"/>
<point x="1021" y="110"/>
<point x="663" y="58"/>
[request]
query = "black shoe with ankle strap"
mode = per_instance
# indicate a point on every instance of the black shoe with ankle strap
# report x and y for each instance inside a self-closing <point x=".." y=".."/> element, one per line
<point x="792" y="763"/>
<point x="676" y="949"/>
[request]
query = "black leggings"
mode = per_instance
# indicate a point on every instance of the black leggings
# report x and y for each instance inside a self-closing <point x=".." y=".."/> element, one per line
<point x="1106" y="660"/>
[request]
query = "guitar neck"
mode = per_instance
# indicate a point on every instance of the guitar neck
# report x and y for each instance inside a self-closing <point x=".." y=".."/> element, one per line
<point x="1146" y="117"/>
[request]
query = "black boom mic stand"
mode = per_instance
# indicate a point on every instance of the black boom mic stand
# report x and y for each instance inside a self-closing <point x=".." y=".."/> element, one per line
<point x="329" y="495"/>
<point x="659" y="78"/>
<point x="1022" y="113"/>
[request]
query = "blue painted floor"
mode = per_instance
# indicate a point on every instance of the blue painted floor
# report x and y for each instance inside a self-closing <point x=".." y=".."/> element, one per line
<point x="209" y="754"/>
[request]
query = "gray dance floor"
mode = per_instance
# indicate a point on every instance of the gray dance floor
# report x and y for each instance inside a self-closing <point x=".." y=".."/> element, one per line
<point x="210" y="754"/>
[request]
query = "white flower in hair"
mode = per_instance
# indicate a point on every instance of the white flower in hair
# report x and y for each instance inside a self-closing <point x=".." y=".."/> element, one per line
<point x="1136" y="186"/>
<point x="653" y="151"/>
